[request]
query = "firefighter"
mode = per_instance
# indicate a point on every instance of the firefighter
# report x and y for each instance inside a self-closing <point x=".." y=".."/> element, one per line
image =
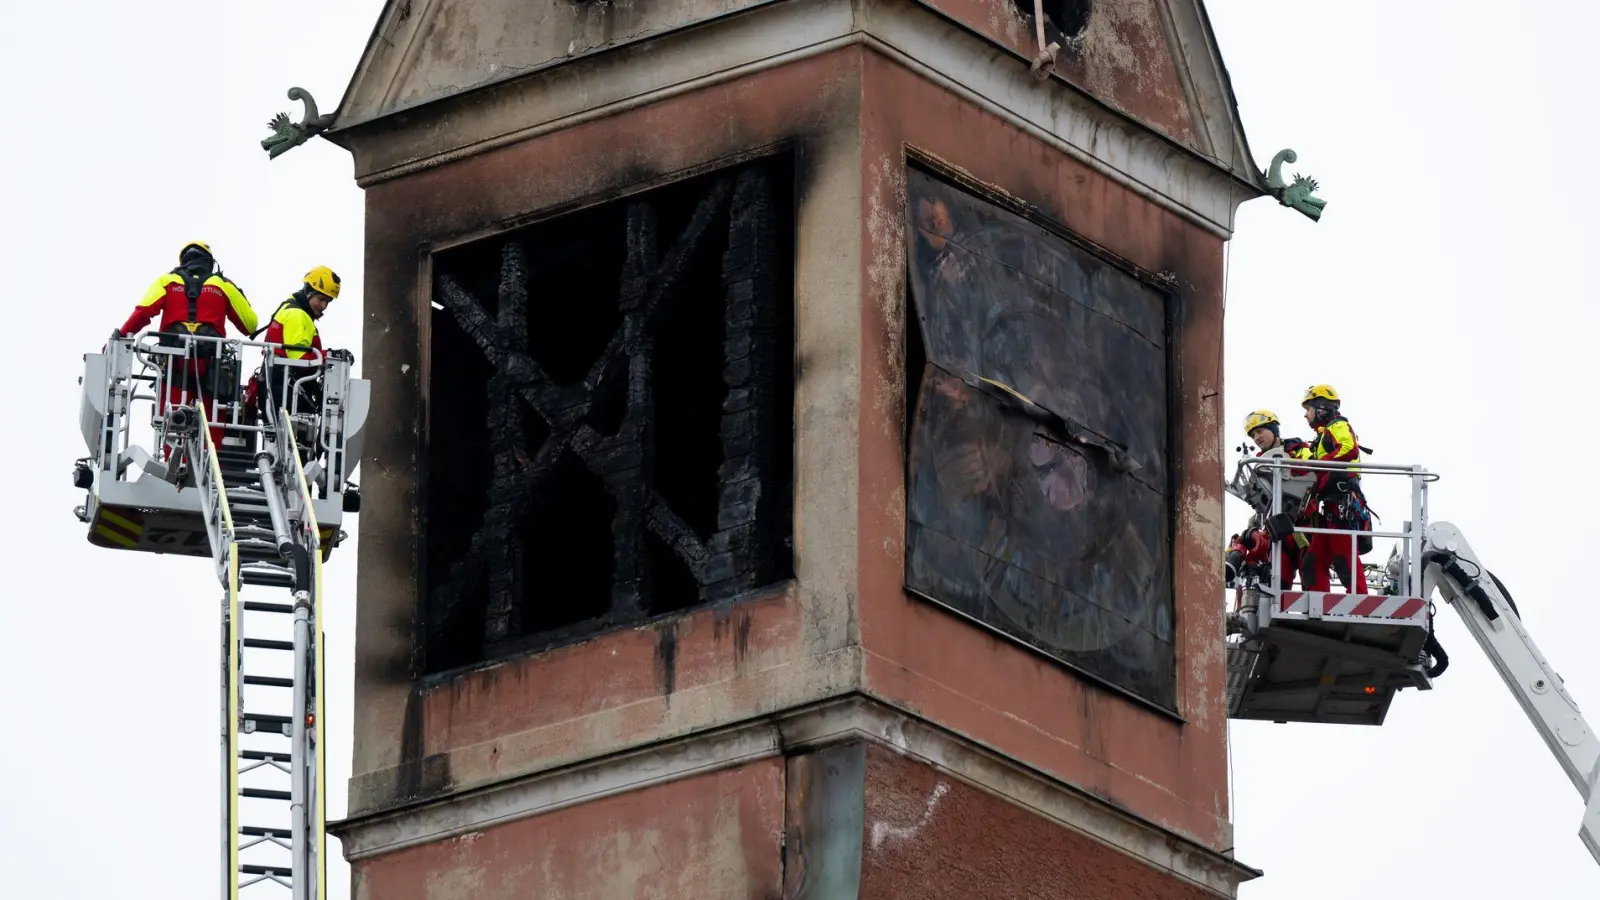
<point x="193" y="299"/>
<point x="1264" y="430"/>
<point x="293" y="332"/>
<point x="294" y="322"/>
<point x="1337" y="496"/>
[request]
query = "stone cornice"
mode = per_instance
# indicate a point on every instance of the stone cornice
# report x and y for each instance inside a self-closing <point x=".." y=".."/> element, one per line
<point x="856" y="717"/>
<point x="1173" y="176"/>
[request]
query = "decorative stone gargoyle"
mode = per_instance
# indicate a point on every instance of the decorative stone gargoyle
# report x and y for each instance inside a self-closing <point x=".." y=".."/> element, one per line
<point x="288" y="135"/>
<point x="1297" y="194"/>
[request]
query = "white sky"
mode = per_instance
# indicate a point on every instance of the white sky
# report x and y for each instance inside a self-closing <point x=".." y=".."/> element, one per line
<point x="1442" y="294"/>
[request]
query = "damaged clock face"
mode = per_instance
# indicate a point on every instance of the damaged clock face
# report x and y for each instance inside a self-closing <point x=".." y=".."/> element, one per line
<point x="1010" y="520"/>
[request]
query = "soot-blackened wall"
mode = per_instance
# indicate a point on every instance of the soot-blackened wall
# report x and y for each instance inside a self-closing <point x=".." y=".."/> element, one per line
<point x="1046" y="516"/>
<point x="610" y="415"/>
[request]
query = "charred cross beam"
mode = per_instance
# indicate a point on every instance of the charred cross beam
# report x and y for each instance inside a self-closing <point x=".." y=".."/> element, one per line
<point x="746" y="536"/>
<point x="495" y="547"/>
<point x="650" y="284"/>
<point x="625" y="461"/>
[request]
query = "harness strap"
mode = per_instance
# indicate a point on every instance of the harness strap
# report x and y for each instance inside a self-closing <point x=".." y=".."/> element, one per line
<point x="193" y="283"/>
<point x="270" y="319"/>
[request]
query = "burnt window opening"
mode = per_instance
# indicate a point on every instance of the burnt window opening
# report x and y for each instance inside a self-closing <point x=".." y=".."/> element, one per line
<point x="610" y="416"/>
<point x="1064" y="20"/>
<point x="1039" y="499"/>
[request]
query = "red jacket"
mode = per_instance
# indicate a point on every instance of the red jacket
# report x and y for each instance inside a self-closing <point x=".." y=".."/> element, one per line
<point x="218" y="302"/>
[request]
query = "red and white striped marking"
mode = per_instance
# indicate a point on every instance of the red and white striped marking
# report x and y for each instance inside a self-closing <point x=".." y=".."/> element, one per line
<point x="1371" y="606"/>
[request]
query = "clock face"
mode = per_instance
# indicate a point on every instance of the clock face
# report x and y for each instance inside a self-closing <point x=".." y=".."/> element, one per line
<point x="1032" y="343"/>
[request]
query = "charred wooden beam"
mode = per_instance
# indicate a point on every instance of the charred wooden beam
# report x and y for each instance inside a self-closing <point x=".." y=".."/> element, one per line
<point x="620" y="453"/>
<point x="749" y="370"/>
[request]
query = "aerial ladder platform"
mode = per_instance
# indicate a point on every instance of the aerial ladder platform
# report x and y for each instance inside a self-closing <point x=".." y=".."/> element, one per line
<point x="259" y="487"/>
<point x="1340" y="658"/>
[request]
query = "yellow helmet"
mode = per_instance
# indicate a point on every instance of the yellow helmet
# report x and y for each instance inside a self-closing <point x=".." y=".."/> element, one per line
<point x="1320" y="392"/>
<point x="1259" y="418"/>
<point x="324" y="281"/>
<point x="202" y="245"/>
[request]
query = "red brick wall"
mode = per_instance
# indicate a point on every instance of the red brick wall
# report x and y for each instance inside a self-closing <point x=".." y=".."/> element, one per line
<point x="933" y="838"/>
<point x="705" y="838"/>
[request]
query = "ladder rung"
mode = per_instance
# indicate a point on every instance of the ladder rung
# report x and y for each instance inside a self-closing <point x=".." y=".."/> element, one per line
<point x="253" y="869"/>
<point x="259" y="831"/>
<point x="264" y="794"/>
<point x="266" y="574"/>
<point x="258" y="606"/>
<point x="267" y="644"/>
<point x="269" y="681"/>
<point x="272" y="581"/>
<point x="264" y="754"/>
<point x="257" y="545"/>
<point x="265" y="719"/>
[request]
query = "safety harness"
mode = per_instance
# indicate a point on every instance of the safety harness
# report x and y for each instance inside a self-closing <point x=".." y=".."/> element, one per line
<point x="194" y="281"/>
<point x="297" y="300"/>
<point x="1343" y="491"/>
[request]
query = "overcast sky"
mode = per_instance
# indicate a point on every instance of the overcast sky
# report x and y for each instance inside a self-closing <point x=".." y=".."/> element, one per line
<point x="1444" y="293"/>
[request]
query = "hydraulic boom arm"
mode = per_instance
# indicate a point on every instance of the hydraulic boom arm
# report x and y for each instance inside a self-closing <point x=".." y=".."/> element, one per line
<point x="1454" y="569"/>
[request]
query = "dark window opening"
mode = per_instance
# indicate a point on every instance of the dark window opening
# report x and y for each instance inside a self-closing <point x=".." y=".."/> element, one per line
<point x="1064" y="20"/>
<point x="1038" y="499"/>
<point x="610" y="431"/>
<point x="572" y="534"/>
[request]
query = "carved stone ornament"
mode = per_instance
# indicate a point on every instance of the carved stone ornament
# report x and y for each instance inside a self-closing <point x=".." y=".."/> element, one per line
<point x="1296" y="194"/>
<point x="288" y="135"/>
